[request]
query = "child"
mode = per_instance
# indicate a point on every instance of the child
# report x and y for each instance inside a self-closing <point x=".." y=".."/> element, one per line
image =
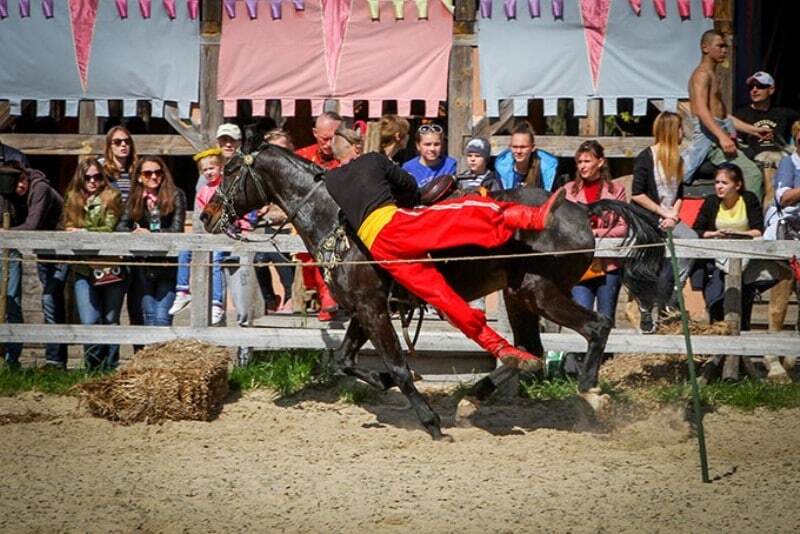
<point x="478" y="175"/>
<point x="430" y="163"/>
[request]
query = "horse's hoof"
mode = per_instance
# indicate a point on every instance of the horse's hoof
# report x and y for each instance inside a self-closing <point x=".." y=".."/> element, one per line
<point x="415" y="376"/>
<point x="526" y="366"/>
<point x="467" y="407"/>
<point x="443" y="438"/>
<point x="600" y="403"/>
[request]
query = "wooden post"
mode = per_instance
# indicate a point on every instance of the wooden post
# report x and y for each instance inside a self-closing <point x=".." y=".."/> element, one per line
<point x="459" y="93"/>
<point x="592" y="124"/>
<point x="723" y="22"/>
<point x="200" y="285"/>
<point x="4" y="267"/>
<point x="733" y="313"/>
<point x="87" y="121"/>
<point x="210" y="108"/>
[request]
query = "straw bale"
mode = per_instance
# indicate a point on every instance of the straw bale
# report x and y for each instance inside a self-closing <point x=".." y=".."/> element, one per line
<point x="696" y="328"/>
<point x="176" y="380"/>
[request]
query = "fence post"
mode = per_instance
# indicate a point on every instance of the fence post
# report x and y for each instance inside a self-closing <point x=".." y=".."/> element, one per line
<point x="733" y="313"/>
<point x="4" y="267"/>
<point x="200" y="282"/>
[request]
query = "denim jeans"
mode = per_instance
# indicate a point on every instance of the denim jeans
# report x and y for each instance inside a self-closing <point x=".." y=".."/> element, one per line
<point x="217" y="277"/>
<point x="604" y="290"/>
<point x="12" y="351"/>
<point x="99" y="305"/>
<point x="157" y="298"/>
<point x="53" y="277"/>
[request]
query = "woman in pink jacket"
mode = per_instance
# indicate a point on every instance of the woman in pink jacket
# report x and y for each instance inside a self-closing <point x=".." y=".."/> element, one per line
<point x="601" y="283"/>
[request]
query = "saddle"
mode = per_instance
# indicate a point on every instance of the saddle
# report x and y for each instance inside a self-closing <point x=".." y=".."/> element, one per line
<point x="437" y="189"/>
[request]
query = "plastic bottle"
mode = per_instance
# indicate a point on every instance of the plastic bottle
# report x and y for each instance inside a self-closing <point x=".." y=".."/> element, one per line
<point x="154" y="218"/>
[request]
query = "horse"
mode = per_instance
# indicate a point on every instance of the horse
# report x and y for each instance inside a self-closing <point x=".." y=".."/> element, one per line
<point x="533" y="286"/>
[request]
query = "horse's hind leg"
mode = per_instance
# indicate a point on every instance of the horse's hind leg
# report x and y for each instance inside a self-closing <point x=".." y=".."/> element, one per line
<point x="378" y="327"/>
<point x="345" y="358"/>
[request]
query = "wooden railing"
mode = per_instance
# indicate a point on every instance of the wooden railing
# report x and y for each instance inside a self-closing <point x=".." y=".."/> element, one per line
<point x="74" y="245"/>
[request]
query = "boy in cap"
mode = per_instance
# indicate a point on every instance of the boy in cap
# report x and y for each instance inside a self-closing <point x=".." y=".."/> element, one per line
<point x="478" y="175"/>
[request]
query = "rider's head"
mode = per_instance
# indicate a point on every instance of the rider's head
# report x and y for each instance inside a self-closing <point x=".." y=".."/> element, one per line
<point x="324" y="128"/>
<point x="394" y="134"/>
<point x="280" y="137"/>
<point x="346" y="145"/>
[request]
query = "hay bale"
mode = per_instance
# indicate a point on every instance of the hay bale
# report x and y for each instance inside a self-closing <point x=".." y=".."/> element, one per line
<point x="696" y="328"/>
<point x="176" y="380"/>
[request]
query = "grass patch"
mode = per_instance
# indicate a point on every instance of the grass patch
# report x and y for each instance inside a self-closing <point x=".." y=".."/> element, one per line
<point x="356" y="393"/>
<point x="287" y="372"/>
<point x="548" y="389"/>
<point x="745" y="395"/>
<point x="44" y="379"/>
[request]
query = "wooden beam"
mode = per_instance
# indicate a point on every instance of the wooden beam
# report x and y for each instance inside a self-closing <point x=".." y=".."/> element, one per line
<point x="733" y="296"/>
<point x="723" y="22"/>
<point x="459" y="92"/>
<point x="85" y="144"/>
<point x="485" y="127"/>
<point x="211" y="17"/>
<point x="5" y="114"/>
<point x="565" y="146"/>
<point x="592" y="124"/>
<point x="211" y="114"/>
<point x="188" y="131"/>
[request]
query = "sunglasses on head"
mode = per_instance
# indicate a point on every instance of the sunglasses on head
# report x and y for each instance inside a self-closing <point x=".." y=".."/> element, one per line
<point x="121" y="140"/>
<point x="429" y="128"/>
<point x="153" y="174"/>
<point x="98" y="177"/>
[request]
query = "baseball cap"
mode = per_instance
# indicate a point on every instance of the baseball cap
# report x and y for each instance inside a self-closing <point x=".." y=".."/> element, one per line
<point x="764" y="78"/>
<point x="231" y="130"/>
<point x="480" y="146"/>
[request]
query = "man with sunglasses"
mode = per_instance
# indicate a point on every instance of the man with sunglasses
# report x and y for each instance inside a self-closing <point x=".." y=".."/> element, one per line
<point x="33" y="205"/>
<point x="762" y="114"/>
<point x="713" y="128"/>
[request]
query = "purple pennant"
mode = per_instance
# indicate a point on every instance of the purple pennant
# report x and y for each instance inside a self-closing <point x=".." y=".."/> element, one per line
<point x="194" y="8"/>
<point x="558" y="9"/>
<point x="486" y="9"/>
<point x="230" y="8"/>
<point x="24" y="8"/>
<point x="172" y="11"/>
<point x="252" y="8"/>
<point x="510" y="8"/>
<point x="3" y="9"/>
<point x="535" y="7"/>
<point x="122" y="8"/>
<point x="145" y="8"/>
<point x="47" y="8"/>
<point x="275" y="9"/>
<point x="299" y="5"/>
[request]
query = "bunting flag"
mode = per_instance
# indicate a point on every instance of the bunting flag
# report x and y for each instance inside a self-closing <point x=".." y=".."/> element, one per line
<point x="122" y="8"/>
<point x="535" y="7"/>
<point x="275" y="9"/>
<point x="145" y="8"/>
<point x="83" y="16"/>
<point x="558" y="9"/>
<point x="684" y="8"/>
<point x="252" y="8"/>
<point x="661" y="8"/>
<point x="335" y="15"/>
<point x="24" y="8"/>
<point x="510" y="8"/>
<point x="47" y="8"/>
<point x="193" y="6"/>
<point x="595" y="23"/>
<point x="636" y="5"/>
<point x="3" y="9"/>
<point x="230" y="8"/>
<point x="486" y="8"/>
<point x="172" y="10"/>
<point x="708" y="8"/>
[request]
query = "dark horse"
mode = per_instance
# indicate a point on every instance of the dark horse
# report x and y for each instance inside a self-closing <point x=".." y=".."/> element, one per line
<point x="534" y="286"/>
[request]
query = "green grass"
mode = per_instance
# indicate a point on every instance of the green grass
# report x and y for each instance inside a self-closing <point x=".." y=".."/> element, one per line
<point x="287" y="372"/>
<point x="548" y="389"/>
<point x="53" y="381"/>
<point x="356" y="393"/>
<point x="746" y="395"/>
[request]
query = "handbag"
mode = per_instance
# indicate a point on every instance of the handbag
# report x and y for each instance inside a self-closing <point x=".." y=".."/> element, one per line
<point x="103" y="276"/>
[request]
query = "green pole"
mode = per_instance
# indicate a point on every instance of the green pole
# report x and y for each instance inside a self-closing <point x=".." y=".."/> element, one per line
<point x="698" y="415"/>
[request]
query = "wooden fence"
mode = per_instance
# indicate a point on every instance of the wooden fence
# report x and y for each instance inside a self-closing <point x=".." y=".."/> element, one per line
<point x="74" y="245"/>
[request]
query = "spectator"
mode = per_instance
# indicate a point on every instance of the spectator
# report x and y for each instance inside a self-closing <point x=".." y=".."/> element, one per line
<point x="91" y="204"/>
<point x="430" y="163"/>
<point x="320" y="152"/>
<point x="394" y="136"/>
<point x="730" y="213"/>
<point x="478" y="174"/>
<point x="9" y="153"/>
<point x="33" y="205"/>
<point x="229" y="139"/>
<point x="712" y="127"/>
<point x="209" y="166"/>
<point x="523" y="163"/>
<point x="657" y="187"/>
<point x="154" y="205"/>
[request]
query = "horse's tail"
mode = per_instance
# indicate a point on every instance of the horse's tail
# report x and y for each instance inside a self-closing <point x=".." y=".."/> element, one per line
<point x="644" y="264"/>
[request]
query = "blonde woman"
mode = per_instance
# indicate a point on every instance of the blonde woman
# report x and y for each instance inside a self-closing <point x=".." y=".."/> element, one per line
<point x="658" y="187"/>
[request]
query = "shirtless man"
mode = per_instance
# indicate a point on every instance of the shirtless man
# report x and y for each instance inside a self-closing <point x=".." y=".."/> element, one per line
<point x="713" y="128"/>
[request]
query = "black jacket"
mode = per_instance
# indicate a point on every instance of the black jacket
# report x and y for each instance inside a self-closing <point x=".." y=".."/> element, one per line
<point x="172" y="222"/>
<point x="644" y="178"/>
<point x="707" y="218"/>
<point x="367" y="183"/>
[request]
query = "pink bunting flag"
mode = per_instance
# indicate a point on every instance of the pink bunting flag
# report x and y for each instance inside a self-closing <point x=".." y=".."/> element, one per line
<point x="558" y="9"/>
<point x="122" y="8"/>
<point x="252" y="8"/>
<point x="47" y="8"/>
<point x="145" y="8"/>
<point x="3" y="9"/>
<point x="661" y="8"/>
<point x="336" y="13"/>
<point x="510" y="8"/>
<point x="708" y="8"/>
<point x="275" y="9"/>
<point x="535" y="7"/>
<point x="230" y="8"/>
<point x="83" y="15"/>
<point x="24" y="8"/>
<point x="595" y="23"/>
<point x="193" y="6"/>
<point x="172" y="10"/>
<point x="684" y="8"/>
<point x="636" y="5"/>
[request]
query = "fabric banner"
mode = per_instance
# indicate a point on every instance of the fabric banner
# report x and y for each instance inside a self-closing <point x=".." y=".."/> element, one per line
<point x="87" y="52"/>
<point x="319" y="54"/>
<point x="625" y="56"/>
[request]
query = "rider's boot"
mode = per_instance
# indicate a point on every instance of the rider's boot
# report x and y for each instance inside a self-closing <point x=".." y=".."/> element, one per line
<point x="504" y="351"/>
<point x="534" y="218"/>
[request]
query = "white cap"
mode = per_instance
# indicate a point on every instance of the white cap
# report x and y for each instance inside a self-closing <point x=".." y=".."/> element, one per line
<point x="764" y="78"/>
<point x="231" y="130"/>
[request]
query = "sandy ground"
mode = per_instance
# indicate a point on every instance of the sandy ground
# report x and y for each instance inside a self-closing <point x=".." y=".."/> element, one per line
<point x="314" y="464"/>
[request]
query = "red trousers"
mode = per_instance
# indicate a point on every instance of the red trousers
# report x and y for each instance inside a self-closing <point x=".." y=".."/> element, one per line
<point x="413" y="233"/>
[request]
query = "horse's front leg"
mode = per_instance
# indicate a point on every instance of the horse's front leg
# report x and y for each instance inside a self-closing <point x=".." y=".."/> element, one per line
<point x="345" y="358"/>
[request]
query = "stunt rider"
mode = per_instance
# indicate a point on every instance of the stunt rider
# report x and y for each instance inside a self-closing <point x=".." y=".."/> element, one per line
<point x="367" y="188"/>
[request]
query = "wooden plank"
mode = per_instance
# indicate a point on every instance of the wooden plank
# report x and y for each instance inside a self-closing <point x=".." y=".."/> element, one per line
<point x="723" y="22"/>
<point x="592" y="124"/>
<point x="752" y="344"/>
<point x="565" y="146"/>
<point x="464" y="10"/>
<point x="211" y="17"/>
<point x="733" y="296"/>
<point x="190" y="133"/>
<point x="459" y="101"/>
<point x="200" y="286"/>
<point x="210" y="108"/>
<point x="86" y="145"/>
<point x="5" y="114"/>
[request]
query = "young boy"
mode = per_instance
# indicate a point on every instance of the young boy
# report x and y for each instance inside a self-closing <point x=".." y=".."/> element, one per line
<point x="478" y="175"/>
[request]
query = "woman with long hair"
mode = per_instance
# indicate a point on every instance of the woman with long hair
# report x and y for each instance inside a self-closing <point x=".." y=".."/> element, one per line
<point x="522" y="164"/>
<point x="91" y="204"/>
<point x="119" y="158"/>
<point x="393" y="135"/>
<point x="658" y="187"/>
<point x="154" y="205"/>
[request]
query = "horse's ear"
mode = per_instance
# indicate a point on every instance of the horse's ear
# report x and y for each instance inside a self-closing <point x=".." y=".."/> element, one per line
<point x="254" y="134"/>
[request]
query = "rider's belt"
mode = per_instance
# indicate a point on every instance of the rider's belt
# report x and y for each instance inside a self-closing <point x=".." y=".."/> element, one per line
<point x="374" y="223"/>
